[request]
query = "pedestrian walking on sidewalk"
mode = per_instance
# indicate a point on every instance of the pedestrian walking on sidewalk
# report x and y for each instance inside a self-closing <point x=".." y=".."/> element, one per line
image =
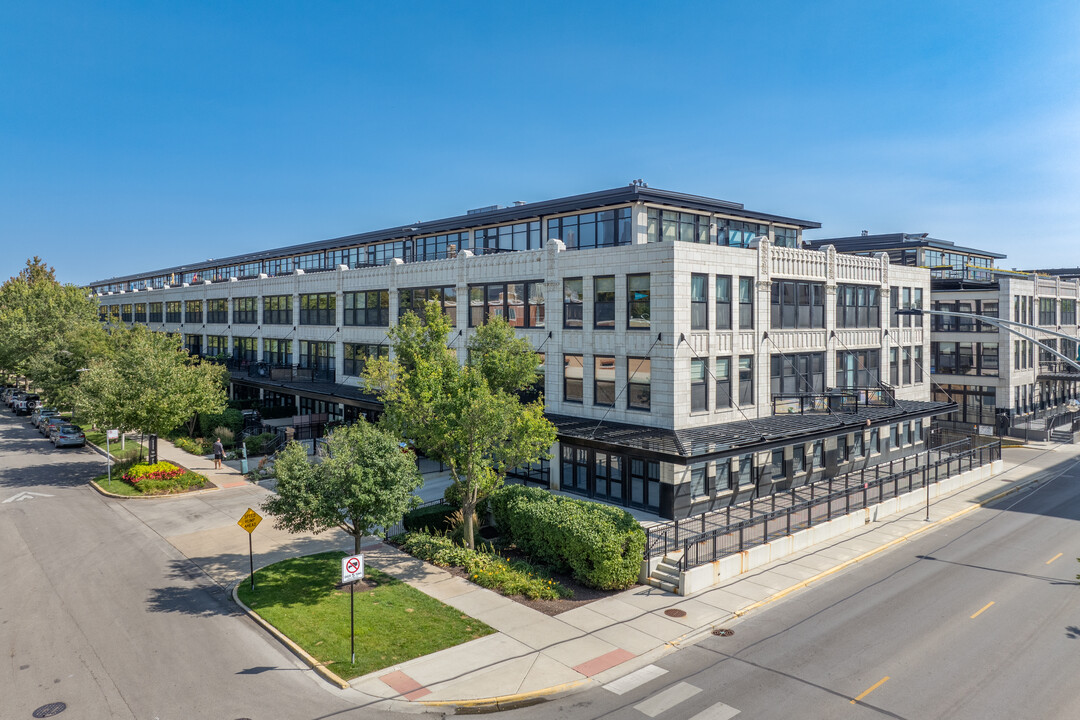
<point x="219" y="453"/>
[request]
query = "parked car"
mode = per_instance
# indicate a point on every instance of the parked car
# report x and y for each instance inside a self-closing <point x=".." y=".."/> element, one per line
<point x="67" y="435"/>
<point x="14" y="397"/>
<point x="27" y="404"/>
<point x="42" y="412"/>
<point x="49" y="423"/>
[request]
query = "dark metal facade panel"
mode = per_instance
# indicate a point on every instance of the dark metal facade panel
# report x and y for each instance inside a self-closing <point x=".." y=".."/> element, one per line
<point x="896" y="241"/>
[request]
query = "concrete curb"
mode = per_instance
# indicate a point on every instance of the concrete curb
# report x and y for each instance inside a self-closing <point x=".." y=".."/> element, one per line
<point x="311" y="662"/>
<point x="508" y="702"/>
<point x="170" y="496"/>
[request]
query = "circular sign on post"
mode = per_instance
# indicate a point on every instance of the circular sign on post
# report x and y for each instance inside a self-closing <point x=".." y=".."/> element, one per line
<point x="352" y="568"/>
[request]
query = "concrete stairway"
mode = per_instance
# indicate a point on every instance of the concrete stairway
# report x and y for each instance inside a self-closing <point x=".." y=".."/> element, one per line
<point x="666" y="574"/>
<point x="1061" y="436"/>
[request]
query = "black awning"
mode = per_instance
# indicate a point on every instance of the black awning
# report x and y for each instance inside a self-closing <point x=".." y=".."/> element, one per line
<point x="735" y="438"/>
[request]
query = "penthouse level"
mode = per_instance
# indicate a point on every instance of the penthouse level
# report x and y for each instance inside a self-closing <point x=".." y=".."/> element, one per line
<point x="609" y="218"/>
<point x="681" y="372"/>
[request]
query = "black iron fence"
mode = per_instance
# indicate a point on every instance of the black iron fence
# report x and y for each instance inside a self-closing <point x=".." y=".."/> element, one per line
<point x="713" y="535"/>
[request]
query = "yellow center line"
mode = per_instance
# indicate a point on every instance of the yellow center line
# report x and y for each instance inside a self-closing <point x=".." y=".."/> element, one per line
<point x="870" y="689"/>
<point x="984" y="609"/>
<point x="1053" y="558"/>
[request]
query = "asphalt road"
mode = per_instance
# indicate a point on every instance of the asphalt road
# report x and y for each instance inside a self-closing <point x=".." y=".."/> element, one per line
<point x="100" y="613"/>
<point x="978" y="619"/>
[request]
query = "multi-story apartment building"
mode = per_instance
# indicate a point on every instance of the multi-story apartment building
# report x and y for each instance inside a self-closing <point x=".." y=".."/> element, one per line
<point x="997" y="377"/>
<point x="693" y="353"/>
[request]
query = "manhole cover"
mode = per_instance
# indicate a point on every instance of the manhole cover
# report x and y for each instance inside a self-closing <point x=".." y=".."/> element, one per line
<point x="50" y="710"/>
<point x="675" y="612"/>
<point x="723" y="632"/>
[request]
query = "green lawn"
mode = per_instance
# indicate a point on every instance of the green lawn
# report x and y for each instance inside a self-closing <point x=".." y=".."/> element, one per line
<point x="394" y="622"/>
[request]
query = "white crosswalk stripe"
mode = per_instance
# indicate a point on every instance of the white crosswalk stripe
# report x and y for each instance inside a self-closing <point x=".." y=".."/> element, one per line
<point x="719" y="711"/>
<point x="635" y="679"/>
<point x="667" y="699"/>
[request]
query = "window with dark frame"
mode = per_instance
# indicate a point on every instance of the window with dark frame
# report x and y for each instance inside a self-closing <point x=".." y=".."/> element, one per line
<point x="638" y="310"/>
<point x="723" y="383"/>
<point x="318" y="309"/>
<point x="639" y="383"/>
<point x="572" y="303"/>
<point x="603" y="380"/>
<point x="699" y="302"/>
<point x="723" y="302"/>
<point x="573" y="378"/>
<point x="366" y="308"/>
<point x="604" y="302"/>
<point x="699" y="392"/>
<point x="746" y="380"/>
<point x="746" y="303"/>
<point x="277" y="310"/>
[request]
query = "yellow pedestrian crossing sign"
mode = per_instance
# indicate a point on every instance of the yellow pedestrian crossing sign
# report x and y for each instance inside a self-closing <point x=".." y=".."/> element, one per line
<point x="250" y="521"/>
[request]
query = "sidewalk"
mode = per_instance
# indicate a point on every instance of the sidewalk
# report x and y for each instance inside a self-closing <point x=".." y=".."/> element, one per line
<point x="532" y="654"/>
<point x="536" y="655"/>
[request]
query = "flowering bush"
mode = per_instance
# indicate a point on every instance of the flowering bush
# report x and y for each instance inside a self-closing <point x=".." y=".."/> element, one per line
<point x="158" y="471"/>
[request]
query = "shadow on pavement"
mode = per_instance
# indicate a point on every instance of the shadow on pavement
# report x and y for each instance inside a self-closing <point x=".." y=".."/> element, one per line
<point x="193" y="597"/>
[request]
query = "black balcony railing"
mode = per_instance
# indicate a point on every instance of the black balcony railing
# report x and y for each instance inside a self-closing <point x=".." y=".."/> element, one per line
<point x="833" y="400"/>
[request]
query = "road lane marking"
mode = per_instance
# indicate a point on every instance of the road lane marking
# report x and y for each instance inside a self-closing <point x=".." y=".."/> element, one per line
<point x="635" y="679"/>
<point x="984" y="609"/>
<point x="1053" y="558"/>
<point x="719" y="711"/>
<point x="870" y="689"/>
<point x="667" y="699"/>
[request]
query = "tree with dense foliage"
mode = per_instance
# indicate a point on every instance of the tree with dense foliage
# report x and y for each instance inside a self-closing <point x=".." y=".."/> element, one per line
<point x="47" y="330"/>
<point x="468" y="417"/>
<point x="149" y="383"/>
<point x="365" y="483"/>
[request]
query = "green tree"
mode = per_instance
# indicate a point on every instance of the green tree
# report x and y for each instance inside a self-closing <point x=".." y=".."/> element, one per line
<point x="39" y="317"/>
<point x="469" y="417"/>
<point x="148" y="382"/>
<point x="365" y="483"/>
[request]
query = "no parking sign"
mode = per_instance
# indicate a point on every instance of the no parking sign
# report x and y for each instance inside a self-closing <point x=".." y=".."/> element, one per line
<point x="352" y="568"/>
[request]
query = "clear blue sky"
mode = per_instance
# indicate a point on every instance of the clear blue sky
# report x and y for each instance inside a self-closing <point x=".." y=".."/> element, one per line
<point x="141" y="134"/>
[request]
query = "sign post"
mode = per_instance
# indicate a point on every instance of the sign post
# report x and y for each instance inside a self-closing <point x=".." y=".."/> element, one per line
<point x="110" y="435"/>
<point x="249" y="522"/>
<point x="352" y="569"/>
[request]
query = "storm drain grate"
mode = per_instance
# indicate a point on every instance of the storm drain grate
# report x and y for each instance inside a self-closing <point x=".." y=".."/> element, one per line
<point x="723" y="632"/>
<point x="50" y="710"/>
<point x="675" y="612"/>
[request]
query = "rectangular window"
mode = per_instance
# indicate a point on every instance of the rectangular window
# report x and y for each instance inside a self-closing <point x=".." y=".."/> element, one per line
<point x="875" y="442"/>
<point x="318" y="356"/>
<point x="193" y="312"/>
<point x="906" y="305"/>
<point x="792" y="304"/>
<point x="518" y="303"/>
<point x="745" y="474"/>
<point x="919" y="362"/>
<point x="155" y="315"/>
<point x="606" y="228"/>
<point x="1047" y="311"/>
<point x="217" y="311"/>
<point x="699" y="393"/>
<point x="746" y="379"/>
<point x="318" y="309"/>
<point x="674" y="226"/>
<point x="857" y="368"/>
<point x="798" y="459"/>
<point x="699" y="302"/>
<point x="370" y="308"/>
<point x="698" y="485"/>
<point x="894" y="366"/>
<point x="217" y="345"/>
<point x="357" y="356"/>
<point x="573" y="378"/>
<point x="841" y="449"/>
<point x="723" y="382"/>
<point x="173" y="313"/>
<point x="819" y="454"/>
<point x="1068" y="312"/>
<point x="140" y="312"/>
<point x="776" y="467"/>
<point x="858" y="449"/>
<point x="723" y="302"/>
<point x="639" y="383"/>
<point x="277" y="310"/>
<point x="894" y="430"/>
<point x="277" y="352"/>
<point x="796" y="374"/>
<point x="125" y="312"/>
<point x="905" y="360"/>
<point x="245" y="311"/>
<point x="604" y="302"/>
<point x="746" y="303"/>
<point x="572" y="302"/>
<point x="858" y="306"/>
<point x="638" y="307"/>
<point x="735" y="233"/>
<point x="245" y="349"/>
<point x="894" y="303"/>
<point x="603" y="380"/>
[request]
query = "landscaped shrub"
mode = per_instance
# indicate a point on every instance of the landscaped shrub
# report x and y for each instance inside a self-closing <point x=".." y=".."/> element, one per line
<point x="158" y="471"/>
<point x="256" y="443"/>
<point x="435" y="518"/>
<point x="509" y="577"/>
<point x="232" y="419"/>
<point x="195" y="446"/>
<point x="225" y="434"/>
<point x="600" y="545"/>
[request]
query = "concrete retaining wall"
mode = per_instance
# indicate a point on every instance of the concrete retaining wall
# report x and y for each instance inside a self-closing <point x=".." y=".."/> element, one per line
<point x="705" y="576"/>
